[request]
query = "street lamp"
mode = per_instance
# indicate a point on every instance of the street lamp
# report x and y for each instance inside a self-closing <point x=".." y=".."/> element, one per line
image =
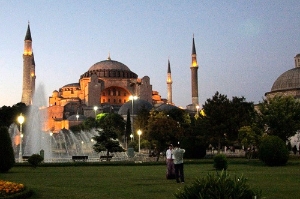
<point x="132" y="97"/>
<point x="197" y="107"/>
<point x="51" y="133"/>
<point x="21" y="119"/>
<point x="95" y="109"/>
<point x="77" y="116"/>
<point x="139" y="132"/>
<point x="131" y="136"/>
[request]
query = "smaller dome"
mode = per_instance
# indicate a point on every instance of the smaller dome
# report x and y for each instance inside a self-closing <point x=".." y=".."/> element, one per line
<point x="72" y="85"/>
<point x="136" y="104"/>
<point x="74" y="118"/>
<point x="164" y="107"/>
<point x="287" y="80"/>
<point x="298" y="55"/>
<point x="55" y="93"/>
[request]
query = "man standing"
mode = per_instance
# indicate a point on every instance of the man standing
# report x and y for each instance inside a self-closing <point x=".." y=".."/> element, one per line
<point x="178" y="163"/>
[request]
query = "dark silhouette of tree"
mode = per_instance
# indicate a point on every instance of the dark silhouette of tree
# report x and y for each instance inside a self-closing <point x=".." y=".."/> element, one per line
<point x="8" y="115"/>
<point x="223" y="117"/>
<point x="7" y="159"/>
<point x="128" y="130"/>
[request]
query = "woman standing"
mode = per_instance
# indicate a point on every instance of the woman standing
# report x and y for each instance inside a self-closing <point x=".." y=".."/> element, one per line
<point x="170" y="164"/>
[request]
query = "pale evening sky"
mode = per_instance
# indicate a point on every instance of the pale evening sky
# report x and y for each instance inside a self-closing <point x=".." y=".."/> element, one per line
<point x="242" y="46"/>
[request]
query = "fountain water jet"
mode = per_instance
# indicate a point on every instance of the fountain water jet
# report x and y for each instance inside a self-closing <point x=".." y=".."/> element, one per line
<point x="37" y="137"/>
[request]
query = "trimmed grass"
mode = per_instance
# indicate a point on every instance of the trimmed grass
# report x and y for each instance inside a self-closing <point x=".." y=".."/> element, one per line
<point x="89" y="181"/>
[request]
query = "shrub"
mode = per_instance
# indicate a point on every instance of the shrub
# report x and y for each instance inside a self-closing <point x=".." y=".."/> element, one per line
<point x="219" y="186"/>
<point x="7" y="157"/>
<point x="273" y="151"/>
<point x="220" y="162"/>
<point x="35" y="160"/>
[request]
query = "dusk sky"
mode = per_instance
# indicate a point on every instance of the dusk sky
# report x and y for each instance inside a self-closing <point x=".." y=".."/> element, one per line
<point x="242" y="46"/>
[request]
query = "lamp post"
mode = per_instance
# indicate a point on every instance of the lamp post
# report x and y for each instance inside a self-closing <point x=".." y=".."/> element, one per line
<point x="139" y="132"/>
<point x="197" y="107"/>
<point x="132" y="97"/>
<point x="95" y="109"/>
<point x="131" y="136"/>
<point x="51" y="133"/>
<point x="21" y="119"/>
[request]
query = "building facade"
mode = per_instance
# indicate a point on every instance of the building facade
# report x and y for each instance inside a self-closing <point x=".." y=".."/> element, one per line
<point x="104" y="87"/>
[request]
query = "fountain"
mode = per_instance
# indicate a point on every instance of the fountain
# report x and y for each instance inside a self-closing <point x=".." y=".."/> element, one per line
<point x="54" y="146"/>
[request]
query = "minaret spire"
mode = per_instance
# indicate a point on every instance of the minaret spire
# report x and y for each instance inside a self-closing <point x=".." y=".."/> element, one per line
<point x="28" y="33"/>
<point x="169" y="84"/>
<point x="194" y="55"/>
<point x="28" y="70"/>
<point x="194" y="76"/>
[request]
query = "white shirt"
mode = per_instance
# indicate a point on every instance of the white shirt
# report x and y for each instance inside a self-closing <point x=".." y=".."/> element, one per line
<point x="169" y="154"/>
<point x="178" y="155"/>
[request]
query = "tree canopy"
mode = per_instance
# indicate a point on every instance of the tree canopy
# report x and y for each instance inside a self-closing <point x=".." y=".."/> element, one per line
<point x="223" y="117"/>
<point x="280" y="115"/>
<point x="111" y="127"/>
<point x="8" y="115"/>
<point x="162" y="129"/>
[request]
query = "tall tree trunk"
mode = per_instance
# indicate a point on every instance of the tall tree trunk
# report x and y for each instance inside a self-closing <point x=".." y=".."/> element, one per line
<point x="107" y="154"/>
<point x="219" y="145"/>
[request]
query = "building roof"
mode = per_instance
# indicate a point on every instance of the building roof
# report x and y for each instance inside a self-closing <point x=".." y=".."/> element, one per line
<point x="136" y="104"/>
<point x="109" y="65"/>
<point x="287" y="80"/>
<point x="164" y="107"/>
<point x="72" y="85"/>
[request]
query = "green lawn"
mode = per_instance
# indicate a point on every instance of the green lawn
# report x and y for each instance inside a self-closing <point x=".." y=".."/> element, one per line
<point x="141" y="181"/>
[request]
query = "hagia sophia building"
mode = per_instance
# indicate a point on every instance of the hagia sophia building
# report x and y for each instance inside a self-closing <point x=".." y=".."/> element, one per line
<point x="107" y="86"/>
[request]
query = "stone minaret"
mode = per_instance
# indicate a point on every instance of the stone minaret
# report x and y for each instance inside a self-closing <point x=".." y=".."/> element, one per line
<point x="169" y="84"/>
<point x="28" y="70"/>
<point x="194" y="77"/>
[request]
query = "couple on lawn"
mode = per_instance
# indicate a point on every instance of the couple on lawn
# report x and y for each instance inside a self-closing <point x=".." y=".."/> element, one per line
<point x="174" y="160"/>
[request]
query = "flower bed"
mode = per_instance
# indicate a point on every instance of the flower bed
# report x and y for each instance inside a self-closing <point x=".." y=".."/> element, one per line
<point x="13" y="190"/>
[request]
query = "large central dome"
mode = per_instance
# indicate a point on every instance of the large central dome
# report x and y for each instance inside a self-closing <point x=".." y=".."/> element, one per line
<point x="109" y="65"/>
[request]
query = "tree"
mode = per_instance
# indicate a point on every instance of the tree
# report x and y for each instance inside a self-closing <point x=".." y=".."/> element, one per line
<point x="216" y="111"/>
<point x="141" y="120"/>
<point x="114" y="120"/>
<point x="180" y="116"/>
<point x="128" y="126"/>
<point x="7" y="159"/>
<point x="110" y="129"/>
<point x="9" y="114"/>
<point x="280" y="116"/>
<point x="163" y="130"/>
<point x="223" y="117"/>
<point x="88" y="123"/>
<point x="242" y="113"/>
<point x="250" y="139"/>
